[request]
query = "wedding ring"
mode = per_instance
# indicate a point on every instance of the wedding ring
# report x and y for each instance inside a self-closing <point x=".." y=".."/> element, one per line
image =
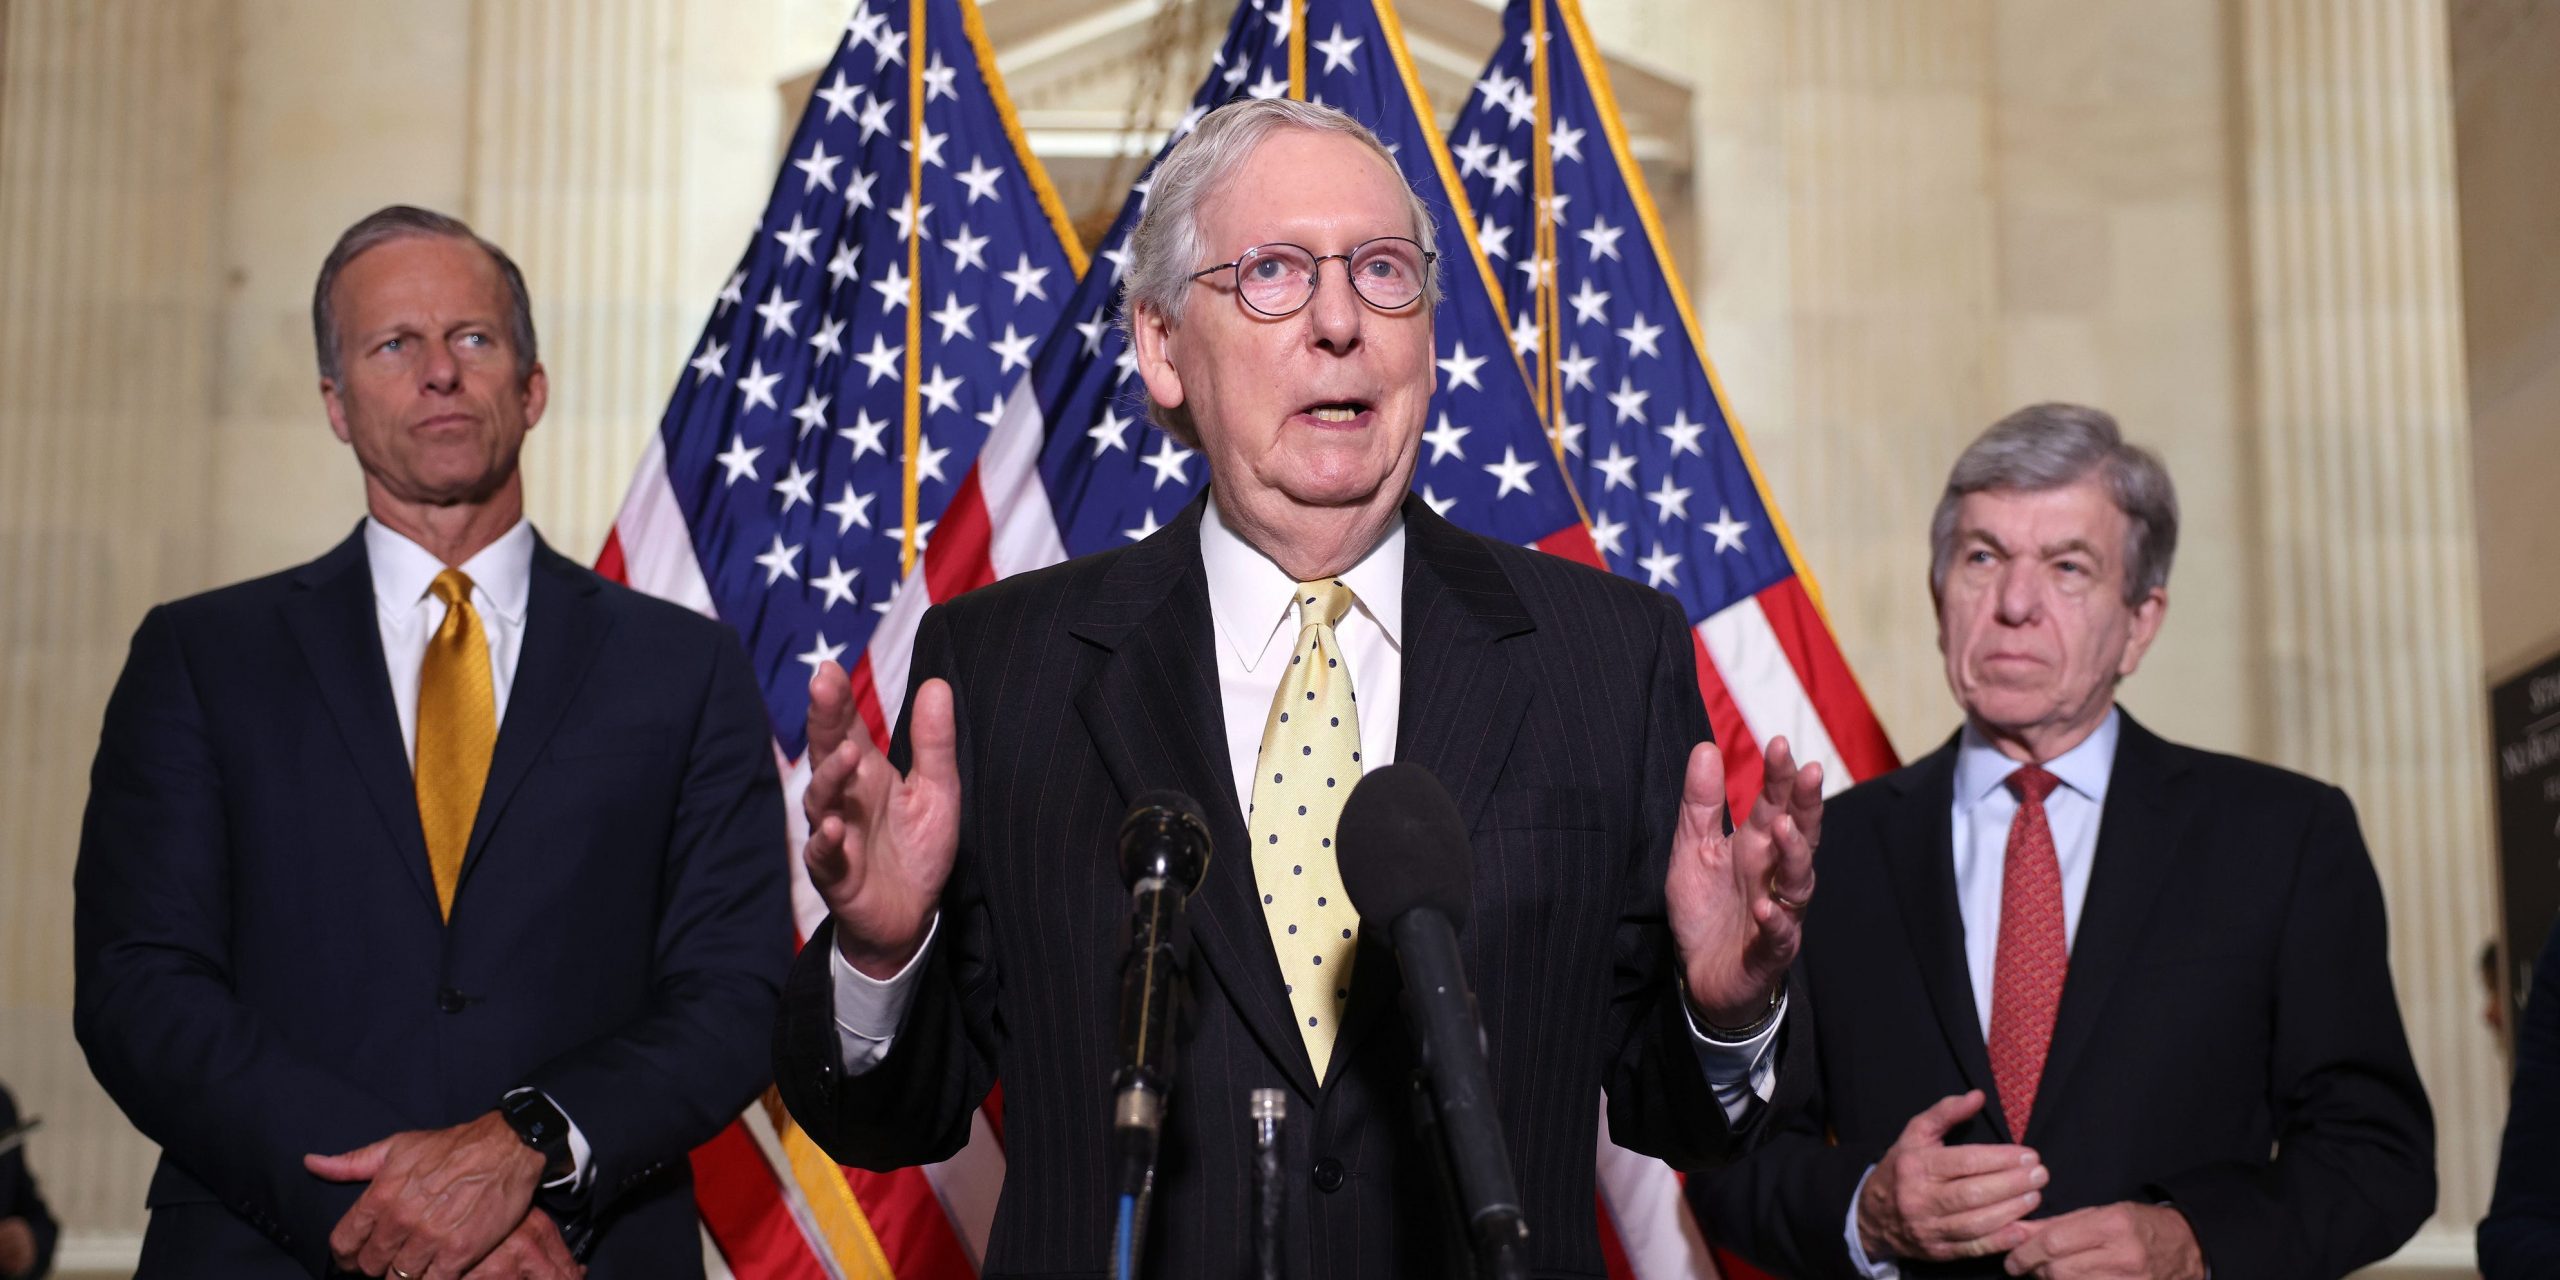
<point x="1783" y="900"/>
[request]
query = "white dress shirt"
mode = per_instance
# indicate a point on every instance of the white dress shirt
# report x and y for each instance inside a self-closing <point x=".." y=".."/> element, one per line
<point x="1253" y="605"/>
<point x="1981" y="812"/>
<point x="409" y="614"/>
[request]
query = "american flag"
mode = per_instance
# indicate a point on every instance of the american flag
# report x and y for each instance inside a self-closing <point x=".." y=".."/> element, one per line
<point x="913" y="385"/>
<point x="817" y="481"/>
<point x="1598" y="314"/>
<point x="1110" y="477"/>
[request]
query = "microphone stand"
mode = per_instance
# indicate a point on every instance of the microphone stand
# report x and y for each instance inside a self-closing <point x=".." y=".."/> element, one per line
<point x="1270" y="1190"/>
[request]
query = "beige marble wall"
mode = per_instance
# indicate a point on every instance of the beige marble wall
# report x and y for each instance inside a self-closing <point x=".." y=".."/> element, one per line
<point x="2507" y="145"/>
<point x="2228" y="220"/>
<point x="2372" y="648"/>
<point x="112" y="284"/>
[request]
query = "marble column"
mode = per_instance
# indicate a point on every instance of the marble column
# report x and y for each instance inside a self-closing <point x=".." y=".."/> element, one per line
<point x="578" y="109"/>
<point x="2371" y="602"/>
<point x="110" y="146"/>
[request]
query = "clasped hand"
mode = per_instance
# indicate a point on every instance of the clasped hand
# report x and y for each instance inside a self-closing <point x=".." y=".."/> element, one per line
<point x="451" y="1204"/>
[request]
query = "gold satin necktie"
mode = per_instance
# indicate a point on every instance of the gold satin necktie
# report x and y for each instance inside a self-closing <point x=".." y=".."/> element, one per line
<point x="1309" y="762"/>
<point x="457" y="728"/>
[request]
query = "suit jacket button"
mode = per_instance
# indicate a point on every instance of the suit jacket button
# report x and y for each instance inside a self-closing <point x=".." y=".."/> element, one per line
<point x="449" y="1000"/>
<point x="1329" y="1175"/>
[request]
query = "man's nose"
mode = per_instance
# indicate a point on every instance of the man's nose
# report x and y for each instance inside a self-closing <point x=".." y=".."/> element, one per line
<point x="2020" y="593"/>
<point x="1335" y="313"/>
<point x="443" y="372"/>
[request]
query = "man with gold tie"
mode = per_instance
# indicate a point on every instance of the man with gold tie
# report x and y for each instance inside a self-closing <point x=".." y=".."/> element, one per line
<point x="426" y="916"/>
<point x="1303" y="623"/>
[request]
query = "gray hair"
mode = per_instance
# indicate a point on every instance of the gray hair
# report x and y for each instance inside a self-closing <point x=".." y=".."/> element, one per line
<point x="400" y="222"/>
<point x="1166" y="247"/>
<point x="2051" y="446"/>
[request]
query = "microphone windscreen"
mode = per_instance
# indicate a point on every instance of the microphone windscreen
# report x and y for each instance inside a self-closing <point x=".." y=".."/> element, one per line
<point x="1168" y="798"/>
<point x="1401" y="845"/>
<point x="1164" y="835"/>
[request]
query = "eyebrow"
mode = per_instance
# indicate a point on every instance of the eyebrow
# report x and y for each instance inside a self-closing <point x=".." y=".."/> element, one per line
<point x="2047" y="551"/>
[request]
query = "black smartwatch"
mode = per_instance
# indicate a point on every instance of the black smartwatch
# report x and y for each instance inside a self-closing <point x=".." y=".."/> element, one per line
<point x="543" y="1126"/>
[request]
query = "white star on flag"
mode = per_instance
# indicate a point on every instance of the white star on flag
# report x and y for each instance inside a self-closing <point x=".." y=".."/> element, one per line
<point x="739" y="460"/>
<point x="777" y="561"/>
<point x="837" y="583"/>
<point x="794" y="486"/>
<point x="1726" y="530"/>
<point x="821" y="653"/>
<point x="1512" y="472"/>
<point x="850" y="510"/>
<point x="1167" y="461"/>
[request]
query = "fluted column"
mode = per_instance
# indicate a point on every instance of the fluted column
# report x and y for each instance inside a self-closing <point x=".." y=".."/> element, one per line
<point x="1891" y="351"/>
<point x="109" y="121"/>
<point x="2370" y="595"/>
<point x="578" y="108"/>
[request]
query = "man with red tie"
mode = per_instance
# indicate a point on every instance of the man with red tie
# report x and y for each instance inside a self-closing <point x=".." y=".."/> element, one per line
<point x="2082" y="1002"/>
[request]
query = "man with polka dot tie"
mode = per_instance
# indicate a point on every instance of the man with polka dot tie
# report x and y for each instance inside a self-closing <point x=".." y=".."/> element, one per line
<point x="1307" y="621"/>
<point x="2087" y="1003"/>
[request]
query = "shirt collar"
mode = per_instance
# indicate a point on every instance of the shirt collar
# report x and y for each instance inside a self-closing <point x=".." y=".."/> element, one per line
<point x="1251" y="596"/>
<point x="1981" y="769"/>
<point x="501" y="574"/>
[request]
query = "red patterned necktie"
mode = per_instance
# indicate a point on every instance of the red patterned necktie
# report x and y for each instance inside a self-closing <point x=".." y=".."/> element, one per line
<point x="2026" y="980"/>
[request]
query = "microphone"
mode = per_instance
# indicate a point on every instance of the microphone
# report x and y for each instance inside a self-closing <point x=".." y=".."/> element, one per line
<point x="1406" y="862"/>
<point x="1164" y="850"/>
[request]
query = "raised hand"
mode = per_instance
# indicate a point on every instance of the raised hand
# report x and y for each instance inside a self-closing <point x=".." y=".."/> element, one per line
<point x="1928" y="1200"/>
<point x="441" y="1199"/>
<point x="880" y="846"/>
<point x="1737" y="901"/>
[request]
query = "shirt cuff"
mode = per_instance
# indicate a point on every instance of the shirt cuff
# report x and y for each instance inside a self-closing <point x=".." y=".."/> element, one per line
<point x="1741" y="1072"/>
<point x="1868" y="1267"/>
<point x="582" y="1158"/>
<point x="869" y="1010"/>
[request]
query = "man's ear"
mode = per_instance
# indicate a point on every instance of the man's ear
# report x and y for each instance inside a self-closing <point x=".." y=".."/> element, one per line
<point x="1153" y="334"/>
<point x="2147" y="617"/>
<point x="537" y="395"/>
<point x="337" y="410"/>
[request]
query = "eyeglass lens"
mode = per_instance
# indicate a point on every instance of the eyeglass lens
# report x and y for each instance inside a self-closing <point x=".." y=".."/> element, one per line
<point x="1277" y="279"/>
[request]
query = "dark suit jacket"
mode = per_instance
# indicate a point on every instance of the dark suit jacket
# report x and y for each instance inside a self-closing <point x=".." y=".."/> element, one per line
<point x="261" y="968"/>
<point x="2229" y="997"/>
<point x="1557" y="703"/>
<point x="18" y="1197"/>
<point x="2520" y="1238"/>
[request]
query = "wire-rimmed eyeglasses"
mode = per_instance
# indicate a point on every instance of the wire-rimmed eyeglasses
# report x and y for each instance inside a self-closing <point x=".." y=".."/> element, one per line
<point x="1276" y="279"/>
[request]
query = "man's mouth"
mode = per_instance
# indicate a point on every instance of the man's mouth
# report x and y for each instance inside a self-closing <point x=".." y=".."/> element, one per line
<point x="1336" y="411"/>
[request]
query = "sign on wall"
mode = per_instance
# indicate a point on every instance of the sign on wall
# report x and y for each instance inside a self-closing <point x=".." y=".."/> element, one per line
<point x="2524" y="714"/>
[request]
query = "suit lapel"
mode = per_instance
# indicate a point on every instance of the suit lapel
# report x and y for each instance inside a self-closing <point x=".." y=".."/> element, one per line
<point x="331" y="616"/>
<point x="1463" y="701"/>
<point x="563" y="626"/>
<point x="1920" y="859"/>
<point x="2139" y="835"/>
<point x="1156" y="719"/>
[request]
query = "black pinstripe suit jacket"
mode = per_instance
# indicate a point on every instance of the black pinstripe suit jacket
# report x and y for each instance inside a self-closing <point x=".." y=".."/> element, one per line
<point x="1557" y="703"/>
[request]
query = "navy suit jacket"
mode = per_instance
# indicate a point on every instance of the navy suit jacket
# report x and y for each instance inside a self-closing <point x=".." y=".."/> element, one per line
<point x="1557" y="703"/>
<point x="261" y="968"/>
<point x="2521" y="1236"/>
<point x="2228" y="1040"/>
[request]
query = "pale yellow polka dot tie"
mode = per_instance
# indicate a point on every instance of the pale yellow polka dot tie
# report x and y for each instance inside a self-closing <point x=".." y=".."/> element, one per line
<point x="1310" y="759"/>
<point x="457" y="729"/>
